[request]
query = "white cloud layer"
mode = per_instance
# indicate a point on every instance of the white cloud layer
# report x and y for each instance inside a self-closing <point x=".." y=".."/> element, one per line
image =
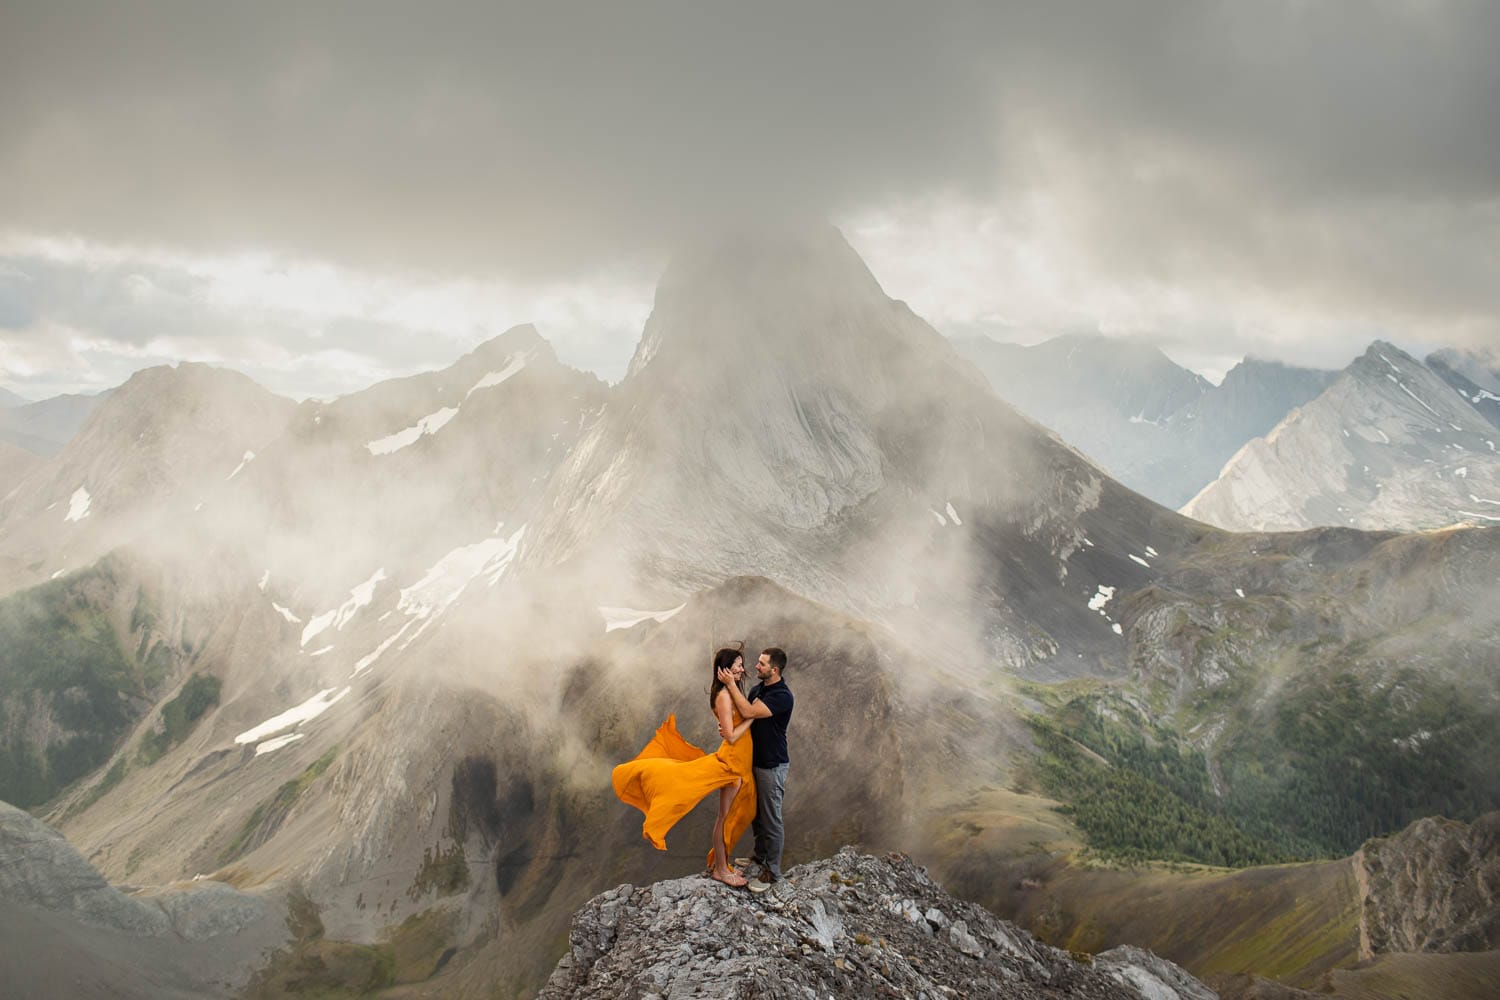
<point x="322" y="195"/>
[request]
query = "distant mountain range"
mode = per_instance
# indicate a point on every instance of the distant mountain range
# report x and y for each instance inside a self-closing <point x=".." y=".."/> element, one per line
<point x="1392" y="444"/>
<point x="43" y="428"/>
<point x="1160" y="429"/>
<point x="1389" y="443"/>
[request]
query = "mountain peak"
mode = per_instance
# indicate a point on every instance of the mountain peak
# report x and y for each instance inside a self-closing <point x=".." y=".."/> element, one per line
<point x="750" y="294"/>
<point x="1384" y="356"/>
<point x="523" y="337"/>
<point x="180" y="380"/>
<point x="783" y="256"/>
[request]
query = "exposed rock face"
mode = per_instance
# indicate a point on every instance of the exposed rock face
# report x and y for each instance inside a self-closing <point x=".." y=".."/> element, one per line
<point x="850" y="925"/>
<point x="1389" y="445"/>
<point x="39" y="868"/>
<point x="1434" y="887"/>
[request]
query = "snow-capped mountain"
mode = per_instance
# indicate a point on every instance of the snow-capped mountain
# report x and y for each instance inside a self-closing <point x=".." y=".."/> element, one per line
<point x="1389" y="445"/>
<point x="1159" y="428"/>
<point x="9" y="400"/>
<point x="45" y="427"/>
<point x="156" y="448"/>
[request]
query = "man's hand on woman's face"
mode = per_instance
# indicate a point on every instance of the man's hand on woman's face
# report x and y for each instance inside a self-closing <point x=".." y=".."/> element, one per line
<point x="725" y="677"/>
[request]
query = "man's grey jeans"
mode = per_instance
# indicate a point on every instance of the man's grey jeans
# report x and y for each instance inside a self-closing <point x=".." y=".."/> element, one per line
<point x="770" y="835"/>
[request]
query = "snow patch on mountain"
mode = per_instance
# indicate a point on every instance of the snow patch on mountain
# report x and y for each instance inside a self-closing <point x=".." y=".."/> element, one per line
<point x="368" y="661"/>
<point x="305" y="712"/>
<point x="496" y="378"/>
<point x="448" y="577"/>
<point x="1101" y="597"/>
<point x="629" y="617"/>
<point x="272" y="745"/>
<point x="249" y="457"/>
<point x="430" y="424"/>
<point x="359" y="597"/>
<point x="78" y="505"/>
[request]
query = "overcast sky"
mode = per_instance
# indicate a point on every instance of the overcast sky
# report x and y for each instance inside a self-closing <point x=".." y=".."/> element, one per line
<point x="322" y="195"/>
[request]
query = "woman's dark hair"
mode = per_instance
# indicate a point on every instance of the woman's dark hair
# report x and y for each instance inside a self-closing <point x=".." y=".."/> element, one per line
<point x="723" y="660"/>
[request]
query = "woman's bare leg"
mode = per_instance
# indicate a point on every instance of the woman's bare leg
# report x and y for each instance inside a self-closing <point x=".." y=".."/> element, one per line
<point x="721" y="862"/>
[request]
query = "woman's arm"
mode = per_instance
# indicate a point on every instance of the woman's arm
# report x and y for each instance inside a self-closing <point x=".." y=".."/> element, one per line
<point x="740" y="730"/>
<point x="749" y="709"/>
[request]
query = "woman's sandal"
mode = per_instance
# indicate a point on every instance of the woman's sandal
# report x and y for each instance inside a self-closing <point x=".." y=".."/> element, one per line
<point x="734" y="880"/>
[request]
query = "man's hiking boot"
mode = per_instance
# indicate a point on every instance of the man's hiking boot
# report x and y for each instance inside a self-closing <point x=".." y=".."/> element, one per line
<point x="763" y="880"/>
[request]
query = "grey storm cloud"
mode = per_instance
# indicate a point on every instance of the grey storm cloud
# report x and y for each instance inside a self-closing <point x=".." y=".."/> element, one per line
<point x="1343" y="155"/>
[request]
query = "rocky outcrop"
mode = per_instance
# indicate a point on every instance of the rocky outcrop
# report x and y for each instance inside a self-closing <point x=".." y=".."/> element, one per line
<point x="1433" y="887"/>
<point x="68" y="932"/>
<point x="40" y="869"/>
<point x="850" y="925"/>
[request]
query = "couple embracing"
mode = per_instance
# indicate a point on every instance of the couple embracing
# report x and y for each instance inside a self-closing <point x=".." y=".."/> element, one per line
<point x="748" y="770"/>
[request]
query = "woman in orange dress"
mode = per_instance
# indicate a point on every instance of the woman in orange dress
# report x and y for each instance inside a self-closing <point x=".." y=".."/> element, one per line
<point x="670" y="776"/>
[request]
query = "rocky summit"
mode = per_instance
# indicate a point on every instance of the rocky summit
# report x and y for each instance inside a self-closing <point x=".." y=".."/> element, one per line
<point x="852" y="925"/>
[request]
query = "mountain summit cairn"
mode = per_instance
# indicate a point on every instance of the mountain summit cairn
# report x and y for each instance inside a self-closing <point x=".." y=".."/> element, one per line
<point x="851" y="925"/>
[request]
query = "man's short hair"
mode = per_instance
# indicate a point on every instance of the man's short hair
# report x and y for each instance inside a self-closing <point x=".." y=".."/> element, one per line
<point x="778" y="658"/>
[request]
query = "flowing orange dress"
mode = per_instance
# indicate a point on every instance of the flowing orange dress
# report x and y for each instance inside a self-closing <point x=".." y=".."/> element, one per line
<point x="670" y="776"/>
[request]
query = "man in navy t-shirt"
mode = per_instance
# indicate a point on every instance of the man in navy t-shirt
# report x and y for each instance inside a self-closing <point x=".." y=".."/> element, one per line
<point x="770" y="706"/>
